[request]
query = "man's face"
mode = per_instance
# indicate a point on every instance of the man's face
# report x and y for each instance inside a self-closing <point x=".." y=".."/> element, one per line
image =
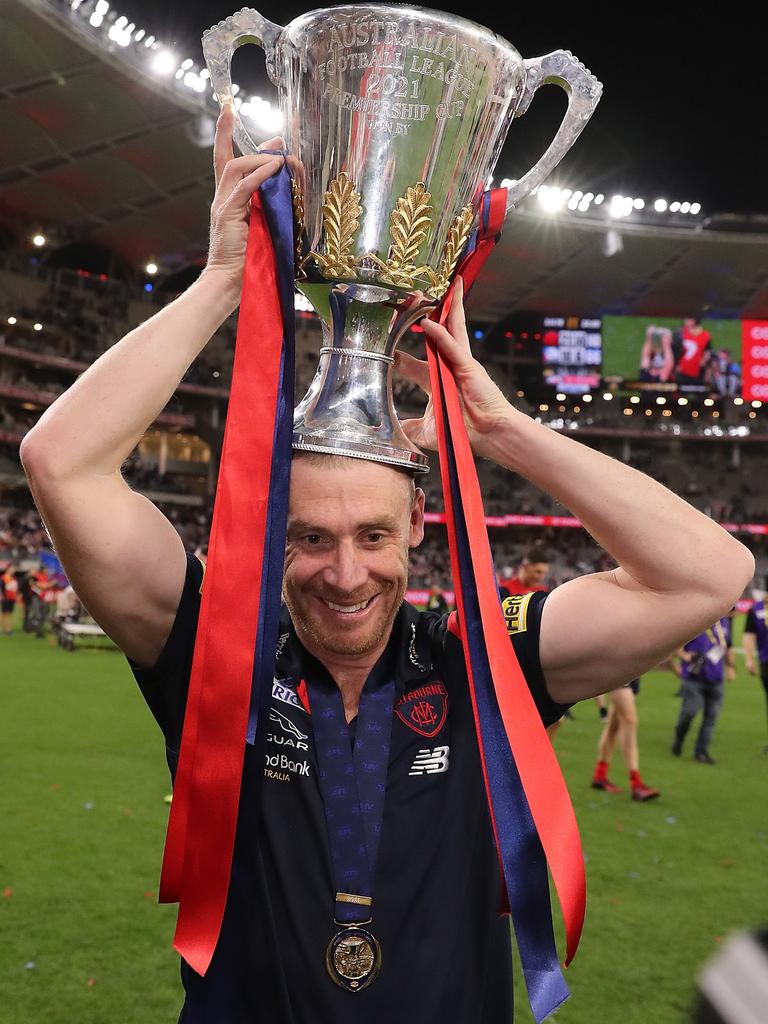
<point x="534" y="573"/>
<point x="350" y="529"/>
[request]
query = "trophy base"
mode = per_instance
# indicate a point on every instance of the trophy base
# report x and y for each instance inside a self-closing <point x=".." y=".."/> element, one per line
<point x="411" y="461"/>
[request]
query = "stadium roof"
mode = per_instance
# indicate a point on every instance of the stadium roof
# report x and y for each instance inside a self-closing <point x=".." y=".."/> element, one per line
<point x="96" y="149"/>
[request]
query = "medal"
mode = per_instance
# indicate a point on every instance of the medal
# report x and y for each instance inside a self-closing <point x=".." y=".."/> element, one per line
<point x="353" y="958"/>
<point x="353" y="784"/>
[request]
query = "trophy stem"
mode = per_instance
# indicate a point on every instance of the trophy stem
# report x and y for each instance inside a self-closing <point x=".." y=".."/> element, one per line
<point x="349" y="409"/>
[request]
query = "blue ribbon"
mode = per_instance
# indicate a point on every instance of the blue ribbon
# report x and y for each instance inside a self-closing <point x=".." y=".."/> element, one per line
<point x="353" y="784"/>
<point x="522" y="856"/>
<point x="278" y="210"/>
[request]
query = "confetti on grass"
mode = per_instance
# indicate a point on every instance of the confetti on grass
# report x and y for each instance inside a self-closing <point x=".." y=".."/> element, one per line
<point x="30" y="965"/>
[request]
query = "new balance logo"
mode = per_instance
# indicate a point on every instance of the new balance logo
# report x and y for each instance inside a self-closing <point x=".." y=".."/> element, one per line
<point x="430" y="762"/>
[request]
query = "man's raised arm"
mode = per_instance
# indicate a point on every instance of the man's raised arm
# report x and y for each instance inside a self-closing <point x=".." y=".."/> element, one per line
<point x="123" y="557"/>
<point x="678" y="571"/>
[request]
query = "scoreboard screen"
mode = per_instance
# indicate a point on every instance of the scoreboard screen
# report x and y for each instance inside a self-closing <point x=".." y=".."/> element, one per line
<point x="571" y="349"/>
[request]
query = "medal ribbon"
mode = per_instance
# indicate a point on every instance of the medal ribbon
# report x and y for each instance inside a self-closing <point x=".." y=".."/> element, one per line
<point x="353" y="785"/>
<point x="530" y="808"/>
<point x="232" y="667"/>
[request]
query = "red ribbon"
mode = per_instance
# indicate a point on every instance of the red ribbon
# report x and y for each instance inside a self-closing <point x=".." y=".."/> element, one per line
<point x="545" y="789"/>
<point x="201" y="830"/>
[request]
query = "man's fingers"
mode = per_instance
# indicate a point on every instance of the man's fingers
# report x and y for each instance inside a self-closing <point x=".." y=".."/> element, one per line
<point x="456" y="321"/>
<point x="277" y="142"/>
<point x="415" y="370"/>
<point x="456" y="351"/>
<point x="244" y="189"/>
<point x="222" y="141"/>
<point x="240" y="168"/>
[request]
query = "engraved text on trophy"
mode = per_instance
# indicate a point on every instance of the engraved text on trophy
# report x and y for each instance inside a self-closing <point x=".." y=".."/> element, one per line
<point x="396" y="63"/>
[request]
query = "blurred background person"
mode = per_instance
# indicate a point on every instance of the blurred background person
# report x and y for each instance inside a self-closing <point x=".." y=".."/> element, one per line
<point x="436" y="601"/>
<point x="656" y="359"/>
<point x="621" y="727"/>
<point x="531" y="575"/>
<point x="706" y="663"/>
<point x="694" y="345"/>
<point x="9" y="589"/>
<point x="755" y="640"/>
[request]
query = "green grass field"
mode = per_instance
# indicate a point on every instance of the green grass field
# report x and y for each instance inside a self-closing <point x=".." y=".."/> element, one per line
<point x="83" y="779"/>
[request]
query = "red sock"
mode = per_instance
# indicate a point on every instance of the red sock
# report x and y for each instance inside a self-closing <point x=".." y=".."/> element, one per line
<point x="635" y="780"/>
<point x="601" y="770"/>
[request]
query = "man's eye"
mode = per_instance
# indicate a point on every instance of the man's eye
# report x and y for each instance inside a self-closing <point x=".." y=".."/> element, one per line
<point x="313" y="539"/>
<point x="374" y="537"/>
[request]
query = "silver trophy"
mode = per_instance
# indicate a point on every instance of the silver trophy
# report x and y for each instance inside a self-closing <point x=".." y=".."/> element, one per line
<point x="395" y="117"/>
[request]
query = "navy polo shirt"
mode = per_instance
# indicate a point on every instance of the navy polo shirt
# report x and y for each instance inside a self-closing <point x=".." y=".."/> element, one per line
<point x="446" y="956"/>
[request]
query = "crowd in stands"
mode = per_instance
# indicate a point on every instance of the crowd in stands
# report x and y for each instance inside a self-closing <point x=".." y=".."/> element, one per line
<point x="573" y="552"/>
<point x="84" y="315"/>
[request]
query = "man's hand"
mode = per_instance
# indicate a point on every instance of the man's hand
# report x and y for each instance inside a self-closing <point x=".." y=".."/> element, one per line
<point x="751" y="667"/>
<point x="483" y="403"/>
<point x="237" y="178"/>
<point x="730" y="673"/>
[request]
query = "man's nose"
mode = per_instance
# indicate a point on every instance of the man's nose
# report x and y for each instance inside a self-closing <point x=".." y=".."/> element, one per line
<point x="346" y="571"/>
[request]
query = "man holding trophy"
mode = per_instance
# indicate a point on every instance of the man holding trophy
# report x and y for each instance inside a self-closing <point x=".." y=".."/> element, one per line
<point x="361" y="879"/>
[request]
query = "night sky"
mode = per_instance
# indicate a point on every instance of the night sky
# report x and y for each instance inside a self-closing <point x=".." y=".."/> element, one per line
<point x="683" y="114"/>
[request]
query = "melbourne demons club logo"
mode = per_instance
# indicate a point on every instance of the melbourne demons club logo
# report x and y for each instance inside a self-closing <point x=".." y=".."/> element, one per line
<point x="424" y="709"/>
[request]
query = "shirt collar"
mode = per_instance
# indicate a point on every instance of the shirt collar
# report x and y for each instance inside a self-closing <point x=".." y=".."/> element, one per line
<point x="408" y="648"/>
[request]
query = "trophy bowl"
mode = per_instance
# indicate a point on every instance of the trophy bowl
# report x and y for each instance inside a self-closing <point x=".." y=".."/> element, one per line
<point x="395" y="117"/>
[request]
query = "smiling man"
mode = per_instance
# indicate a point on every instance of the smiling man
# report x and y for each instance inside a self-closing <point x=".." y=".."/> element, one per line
<point x="368" y="780"/>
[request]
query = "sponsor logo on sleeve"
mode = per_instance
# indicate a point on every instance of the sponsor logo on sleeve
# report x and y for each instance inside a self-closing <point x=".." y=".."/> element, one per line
<point x="425" y="709"/>
<point x="516" y="613"/>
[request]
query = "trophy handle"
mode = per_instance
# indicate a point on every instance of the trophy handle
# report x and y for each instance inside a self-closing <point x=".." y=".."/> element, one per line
<point x="220" y="43"/>
<point x="559" y="68"/>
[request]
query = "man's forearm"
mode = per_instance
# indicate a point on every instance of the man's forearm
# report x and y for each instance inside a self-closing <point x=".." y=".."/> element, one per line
<point x="96" y="423"/>
<point x="657" y="538"/>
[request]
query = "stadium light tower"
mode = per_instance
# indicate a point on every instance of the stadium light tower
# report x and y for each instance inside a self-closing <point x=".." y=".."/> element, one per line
<point x="151" y="268"/>
<point x="38" y="240"/>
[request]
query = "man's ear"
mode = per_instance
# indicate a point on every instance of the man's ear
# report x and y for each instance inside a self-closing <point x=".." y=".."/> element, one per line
<point x="416" y="535"/>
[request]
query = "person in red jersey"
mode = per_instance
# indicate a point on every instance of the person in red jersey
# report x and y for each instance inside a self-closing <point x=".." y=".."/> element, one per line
<point x="530" y="576"/>
<point x="621" y="727"/>
<point x="695" y="345"/>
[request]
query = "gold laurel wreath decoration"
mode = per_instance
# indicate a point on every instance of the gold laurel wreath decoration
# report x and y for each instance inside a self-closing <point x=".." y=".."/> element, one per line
<point x="341" y="217"/>
<point x="457" y="239"/>
<point x="298" y="229"/>
<point x="409" y="225"/>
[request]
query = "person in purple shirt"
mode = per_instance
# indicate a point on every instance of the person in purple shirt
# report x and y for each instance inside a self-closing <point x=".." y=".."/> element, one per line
<point x="756" y="642"/>
<point x="706" y="660"/>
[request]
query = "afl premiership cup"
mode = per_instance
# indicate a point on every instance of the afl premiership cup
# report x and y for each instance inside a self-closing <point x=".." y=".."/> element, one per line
<point x="394" y="118"/>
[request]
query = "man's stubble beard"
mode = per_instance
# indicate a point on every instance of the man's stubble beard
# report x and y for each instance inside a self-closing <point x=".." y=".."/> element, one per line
<point x="338" y="644"/>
